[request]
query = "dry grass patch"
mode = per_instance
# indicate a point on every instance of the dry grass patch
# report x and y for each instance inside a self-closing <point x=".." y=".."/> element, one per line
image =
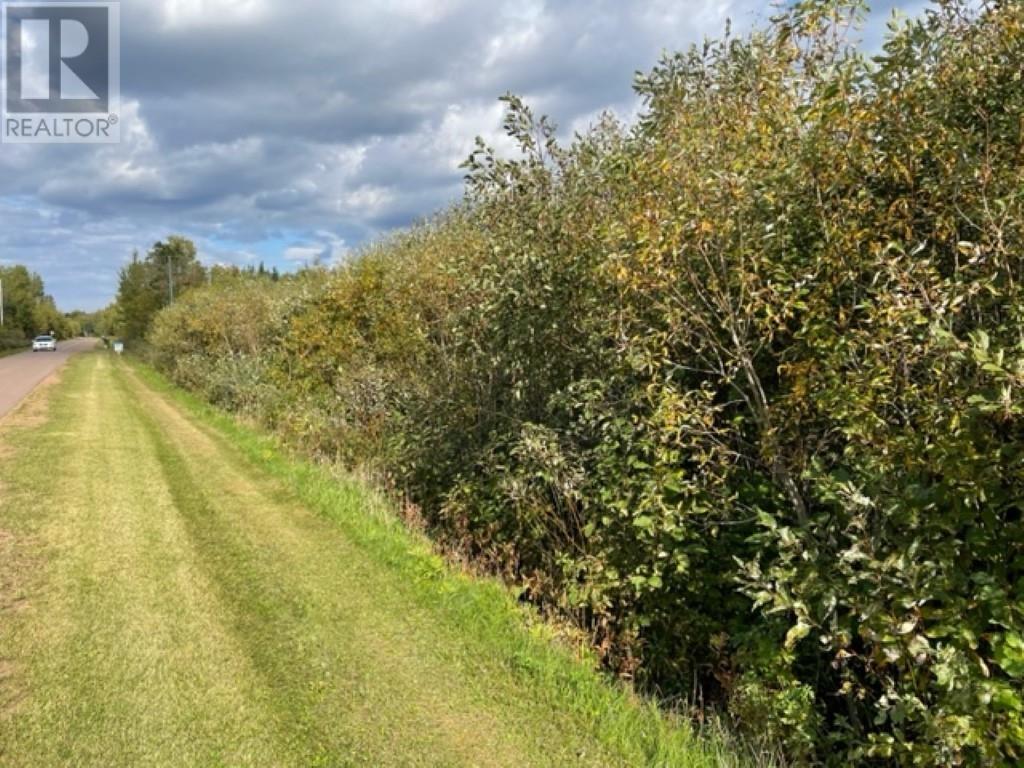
<point x="32" y="411"/>
<point x="15" y="564"/>
<point x="11" y="695"/>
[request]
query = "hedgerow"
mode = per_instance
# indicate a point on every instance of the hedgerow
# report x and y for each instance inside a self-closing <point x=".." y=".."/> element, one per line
<point x="737" y="388"/>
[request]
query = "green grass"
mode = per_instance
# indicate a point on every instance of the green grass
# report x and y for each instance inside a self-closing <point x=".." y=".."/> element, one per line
<point x="177" y="590"/>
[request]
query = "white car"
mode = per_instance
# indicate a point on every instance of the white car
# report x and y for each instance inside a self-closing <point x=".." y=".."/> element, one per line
<point x="44" y="344"/>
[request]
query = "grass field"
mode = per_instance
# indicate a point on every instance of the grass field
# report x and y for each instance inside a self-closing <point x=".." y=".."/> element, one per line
<point x="174" y="591"/>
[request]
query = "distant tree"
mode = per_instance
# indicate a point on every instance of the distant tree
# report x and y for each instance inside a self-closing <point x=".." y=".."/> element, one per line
<point x="174" y="267"/>
<point x="28" y="310"/>
<point x="101" y="322"/>
<point x="147" y="285"/>
<point x="137" y="299"/>
<point x="22" y="290"/>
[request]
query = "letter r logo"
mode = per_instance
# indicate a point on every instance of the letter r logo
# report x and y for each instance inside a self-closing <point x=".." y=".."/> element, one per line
<point x="35" y="60"/>
<point x="57" y="57"/>
<point x="61" y="79"/>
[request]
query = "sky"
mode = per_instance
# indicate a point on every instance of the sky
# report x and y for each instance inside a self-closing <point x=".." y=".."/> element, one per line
<point x="293" y="131"/>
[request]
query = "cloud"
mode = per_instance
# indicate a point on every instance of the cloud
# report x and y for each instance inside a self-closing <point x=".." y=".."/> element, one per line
<point x="292" y="132"/>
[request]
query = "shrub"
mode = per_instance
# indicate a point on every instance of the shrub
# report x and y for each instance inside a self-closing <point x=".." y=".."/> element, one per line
<point x="737" y="388"/>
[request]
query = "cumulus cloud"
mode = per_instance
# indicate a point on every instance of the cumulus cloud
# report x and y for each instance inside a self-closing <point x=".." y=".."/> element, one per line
<point x="290" y="133"/>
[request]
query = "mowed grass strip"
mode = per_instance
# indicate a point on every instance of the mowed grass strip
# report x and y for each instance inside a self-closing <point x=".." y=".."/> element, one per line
<point x="177" y="591"/>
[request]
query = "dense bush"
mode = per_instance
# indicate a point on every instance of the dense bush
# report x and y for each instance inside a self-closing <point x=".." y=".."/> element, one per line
<point x="737" y="388"/>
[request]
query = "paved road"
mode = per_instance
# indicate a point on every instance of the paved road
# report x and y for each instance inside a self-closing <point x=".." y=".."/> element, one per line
<point x="21" y="373"/>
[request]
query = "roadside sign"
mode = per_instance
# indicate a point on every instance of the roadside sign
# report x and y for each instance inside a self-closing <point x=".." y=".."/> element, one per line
<point x="119" y="347"/>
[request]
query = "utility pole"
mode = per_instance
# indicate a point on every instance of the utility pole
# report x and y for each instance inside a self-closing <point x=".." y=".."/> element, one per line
<point x="170" y="279"/>
<point x="1" y="302"/>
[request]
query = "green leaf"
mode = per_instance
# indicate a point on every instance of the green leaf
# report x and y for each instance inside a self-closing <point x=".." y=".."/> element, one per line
<point x="1009" y="654"/>
<point x="796" y="633"/>
<point x="644" y="522"/>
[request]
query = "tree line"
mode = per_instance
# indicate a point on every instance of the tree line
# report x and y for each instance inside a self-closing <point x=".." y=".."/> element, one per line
<point x="736" y="388"/>
<point x="170" y="268"/>
<point x="27" y="309"/>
